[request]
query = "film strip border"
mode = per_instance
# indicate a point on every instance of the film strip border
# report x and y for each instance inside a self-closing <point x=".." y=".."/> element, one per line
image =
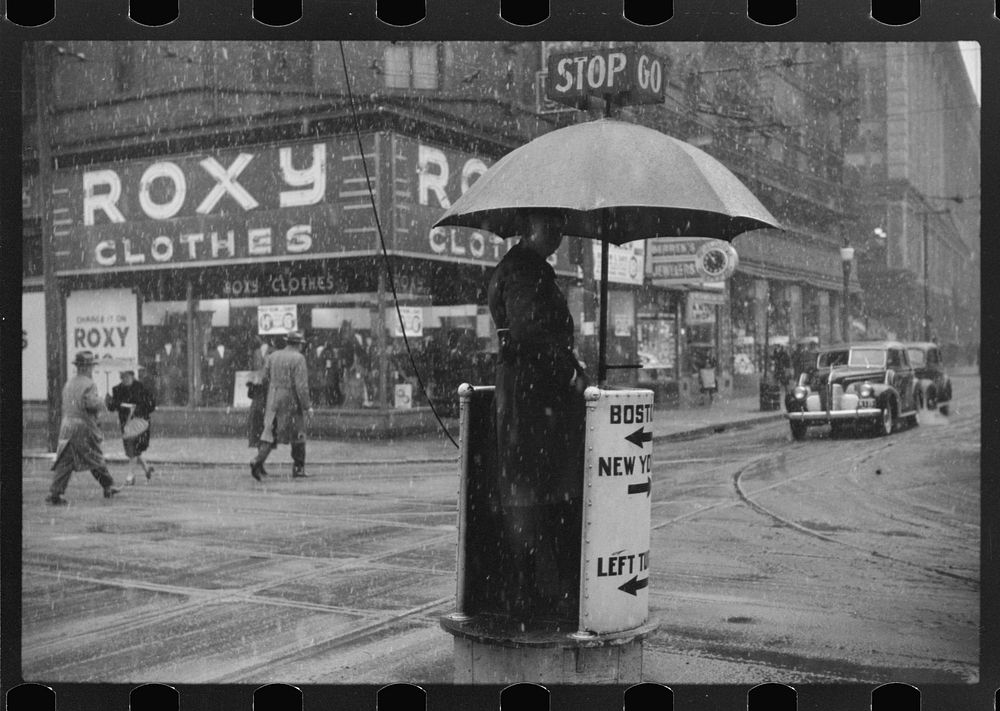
<point x="520" y="13"/>
<point x="871" y="19"/>
<point x="410" y="697"/>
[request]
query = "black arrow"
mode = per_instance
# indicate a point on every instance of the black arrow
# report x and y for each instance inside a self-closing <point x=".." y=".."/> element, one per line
<point x="639" y="488"/>
<point x="640" y="436"/>
<point x="634" y="585"/>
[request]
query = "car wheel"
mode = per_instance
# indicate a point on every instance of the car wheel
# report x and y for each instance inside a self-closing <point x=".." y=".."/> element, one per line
<point x="798" y="430"/>
<point x="931" y="402"/>
<point x="914" y="419"/>
<point x="885" y="423"/>
<point x="943" y="409"/>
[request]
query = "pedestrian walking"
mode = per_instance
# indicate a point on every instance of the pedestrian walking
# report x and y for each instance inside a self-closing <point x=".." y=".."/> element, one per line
<point x="539" y="429"/>
<point x="257" y="392"/>
<point x="134" y="404"/>
<point x="287" y="400"/>
<point x="80" y="435"/>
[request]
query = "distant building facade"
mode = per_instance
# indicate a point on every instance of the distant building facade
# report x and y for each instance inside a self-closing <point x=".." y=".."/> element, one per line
<point x="211" y="189"/>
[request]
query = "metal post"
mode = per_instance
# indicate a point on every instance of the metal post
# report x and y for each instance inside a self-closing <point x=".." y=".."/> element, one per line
<point x="927" y="314"/>
<point x="845" y="314"/>
<point x="602" y="369"/>
<point x="193" y="376"/>
<point x="381" y="341"/>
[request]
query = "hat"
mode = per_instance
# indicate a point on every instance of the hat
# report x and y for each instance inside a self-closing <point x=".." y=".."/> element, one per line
<point x="128" y="371"/>
<point x="295" y="337"/>
<point x="85" y="358"/>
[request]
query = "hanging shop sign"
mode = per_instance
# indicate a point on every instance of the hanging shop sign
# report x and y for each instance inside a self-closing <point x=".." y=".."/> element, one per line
<point x="427" y="180"/>
<point x="280" y="202"/>
<point x="624" y="76"/>
<point x="105" y="322"/>
<point x="677" y="261"/>
<point x="277" y="319"/>
<point x="701" y="306"/>
<point x="625" y="262"/>
<point x="413" y="321"/>
<point x="34" y="383"/>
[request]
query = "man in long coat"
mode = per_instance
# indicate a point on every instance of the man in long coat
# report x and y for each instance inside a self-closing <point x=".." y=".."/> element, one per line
<point x="80" y="433"/>
<point x="539" y="428"/>
<point x="287" y="400"/>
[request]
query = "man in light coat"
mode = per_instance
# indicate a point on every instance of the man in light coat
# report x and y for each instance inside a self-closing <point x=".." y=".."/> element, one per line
<point x="80" y="433"/>
<point x="287" y="399"/>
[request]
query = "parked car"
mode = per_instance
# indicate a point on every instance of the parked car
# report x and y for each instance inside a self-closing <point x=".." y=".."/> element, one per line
<point x="933" y="384"/>
<point x="869" y="383"/>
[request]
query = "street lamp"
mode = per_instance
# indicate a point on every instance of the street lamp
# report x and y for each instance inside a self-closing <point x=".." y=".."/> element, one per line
<point x="846" y="257"/>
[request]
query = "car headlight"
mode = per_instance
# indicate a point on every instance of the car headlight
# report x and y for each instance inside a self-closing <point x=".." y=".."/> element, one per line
<point x="866" y="390"/>
<point x="800" y="392"/>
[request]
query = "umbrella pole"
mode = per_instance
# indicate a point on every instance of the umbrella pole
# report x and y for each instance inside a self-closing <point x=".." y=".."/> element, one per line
<point x="602" y="361"/>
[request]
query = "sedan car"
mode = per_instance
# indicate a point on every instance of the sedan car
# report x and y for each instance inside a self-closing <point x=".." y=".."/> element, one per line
<point x="933" y="384"/>
<point x="868" y="383"/>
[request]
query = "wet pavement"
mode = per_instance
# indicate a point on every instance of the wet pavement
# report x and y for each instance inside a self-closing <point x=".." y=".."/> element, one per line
<point x="720" y="415"/>
<point x="204" y="575"/>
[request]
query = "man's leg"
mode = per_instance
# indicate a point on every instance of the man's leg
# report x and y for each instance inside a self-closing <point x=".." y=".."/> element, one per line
<point x="60" y="480"/>
<point x="257" y="465"/>
<point x="104" y="478"/>
<point x="299" y="459"/>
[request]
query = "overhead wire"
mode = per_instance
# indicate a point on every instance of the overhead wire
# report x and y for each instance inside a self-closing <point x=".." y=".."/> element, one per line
<point x="381" y="237"/>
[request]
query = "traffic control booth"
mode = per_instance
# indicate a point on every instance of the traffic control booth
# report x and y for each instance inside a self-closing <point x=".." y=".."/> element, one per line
<point x="600" y="641"/>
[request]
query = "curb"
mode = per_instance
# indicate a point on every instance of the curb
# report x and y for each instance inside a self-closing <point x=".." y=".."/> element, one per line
<point x="717" y="428"/>
<point x="690" y="434"/>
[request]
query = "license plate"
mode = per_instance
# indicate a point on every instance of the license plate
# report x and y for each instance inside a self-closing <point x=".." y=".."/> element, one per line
<point x="866" y="402"/>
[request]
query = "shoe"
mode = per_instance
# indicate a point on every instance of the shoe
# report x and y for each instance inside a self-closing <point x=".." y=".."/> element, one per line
<point x="130" y="480"/>
<point x="149" y="473"/>
<point x="257" y="471"/>
<point x="299" y="473"/>
<point x="111" y="491"/>
<point x="55" y="501"/>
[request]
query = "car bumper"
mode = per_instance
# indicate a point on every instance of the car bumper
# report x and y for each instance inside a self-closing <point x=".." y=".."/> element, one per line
<point x="827" y="416"/>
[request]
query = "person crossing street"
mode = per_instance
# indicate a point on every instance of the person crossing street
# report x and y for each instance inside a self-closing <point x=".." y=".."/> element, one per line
<point x="133" y="402"/>
<point x="80" y="435"/>
<point x="287" y="400"/>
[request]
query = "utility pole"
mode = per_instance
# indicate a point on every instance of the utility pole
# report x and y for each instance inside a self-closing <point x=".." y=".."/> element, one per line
<point x="55" y="368"/>
<point x="55" y="322"/>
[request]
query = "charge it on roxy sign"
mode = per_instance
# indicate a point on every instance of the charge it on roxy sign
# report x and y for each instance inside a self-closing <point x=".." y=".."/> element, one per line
<point x="624" y="76"/>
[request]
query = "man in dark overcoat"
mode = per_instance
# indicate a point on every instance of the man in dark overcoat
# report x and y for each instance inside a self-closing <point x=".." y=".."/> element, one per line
<point x="80" y="435"/>
<point x="130" y="398"/>
<point x="287" y="401"/>
<point x="539" y="427"/>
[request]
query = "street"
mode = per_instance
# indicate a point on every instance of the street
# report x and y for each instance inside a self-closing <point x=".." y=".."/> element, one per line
<point x="848" y="559"/>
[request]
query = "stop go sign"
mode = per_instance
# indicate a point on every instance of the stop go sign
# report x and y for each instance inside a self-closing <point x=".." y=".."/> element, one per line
<point x="625" y="76"/>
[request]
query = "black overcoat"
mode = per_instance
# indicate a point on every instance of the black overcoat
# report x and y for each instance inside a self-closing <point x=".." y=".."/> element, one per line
<point x="138" y="395"/>
<point x="539" y="411"/>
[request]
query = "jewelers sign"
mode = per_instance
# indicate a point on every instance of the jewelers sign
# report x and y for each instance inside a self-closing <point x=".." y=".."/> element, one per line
<point x="616" y="513"/>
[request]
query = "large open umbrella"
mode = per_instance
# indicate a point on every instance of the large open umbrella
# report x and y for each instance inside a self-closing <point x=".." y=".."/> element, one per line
<point x="614" y="182"/>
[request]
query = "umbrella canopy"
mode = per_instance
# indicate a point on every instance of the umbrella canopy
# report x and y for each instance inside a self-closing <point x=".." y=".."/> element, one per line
<point x="613" y="181"/>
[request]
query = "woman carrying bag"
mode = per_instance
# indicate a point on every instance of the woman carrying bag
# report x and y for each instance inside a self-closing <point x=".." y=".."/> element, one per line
<point x="134" y="404"/>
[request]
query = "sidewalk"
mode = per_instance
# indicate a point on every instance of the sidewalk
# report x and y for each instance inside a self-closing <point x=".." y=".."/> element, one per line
<point x="723" y="414"/>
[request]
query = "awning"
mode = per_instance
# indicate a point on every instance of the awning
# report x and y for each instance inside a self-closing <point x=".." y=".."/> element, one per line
<point x="787" y="256"/>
